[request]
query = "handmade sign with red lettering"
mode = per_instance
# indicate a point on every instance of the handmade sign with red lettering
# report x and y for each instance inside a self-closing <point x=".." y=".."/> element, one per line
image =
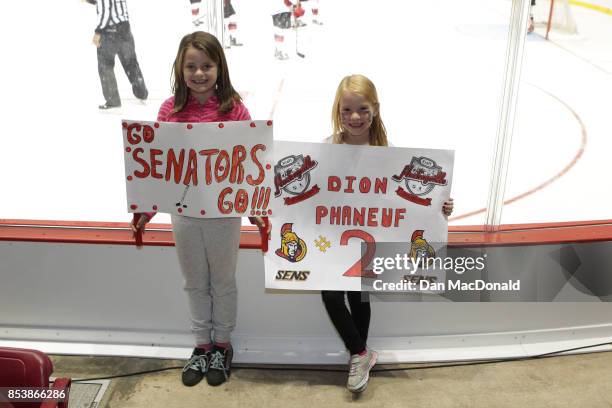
<point x="329" y="199"/>
<point x="204" y="170"/>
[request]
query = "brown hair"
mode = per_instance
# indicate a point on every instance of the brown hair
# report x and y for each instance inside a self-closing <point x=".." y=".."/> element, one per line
<point x="208" y="43"/>
<point x="360" y="85"/>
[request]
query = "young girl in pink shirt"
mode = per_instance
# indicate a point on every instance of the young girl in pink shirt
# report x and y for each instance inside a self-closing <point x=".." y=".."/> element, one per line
<point x="207" y="248"/>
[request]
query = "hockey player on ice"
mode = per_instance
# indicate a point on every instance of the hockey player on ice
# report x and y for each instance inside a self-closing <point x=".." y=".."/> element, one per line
<point x="230" y="23"/>
<point x="282" y="21"/>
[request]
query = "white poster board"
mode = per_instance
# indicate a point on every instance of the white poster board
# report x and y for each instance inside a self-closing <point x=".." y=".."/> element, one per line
<point x="204" y="170"/>
<point x="328" y="199"/>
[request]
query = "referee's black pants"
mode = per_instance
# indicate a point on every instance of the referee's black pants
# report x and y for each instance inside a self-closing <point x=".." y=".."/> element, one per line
<point x="118" y="40"/>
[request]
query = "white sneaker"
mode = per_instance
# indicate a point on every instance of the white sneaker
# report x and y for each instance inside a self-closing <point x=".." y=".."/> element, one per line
<point x="359" y="370"/>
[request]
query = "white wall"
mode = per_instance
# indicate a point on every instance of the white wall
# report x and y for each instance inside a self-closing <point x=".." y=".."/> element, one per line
<point x="111" y="299"/>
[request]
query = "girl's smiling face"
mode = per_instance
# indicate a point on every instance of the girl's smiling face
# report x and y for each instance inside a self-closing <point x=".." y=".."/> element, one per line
<point x="356" y="114"/>
<point x="200" y="73"/>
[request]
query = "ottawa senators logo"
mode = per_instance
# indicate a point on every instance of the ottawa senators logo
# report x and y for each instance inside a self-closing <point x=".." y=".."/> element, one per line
<point x="293" y="248"/>
<point x="420" y="250"/>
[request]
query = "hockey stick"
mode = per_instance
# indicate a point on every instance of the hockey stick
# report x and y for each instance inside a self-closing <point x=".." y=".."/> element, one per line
<point x="301" y="55"/>
<point x="181" y="203"/>
<point x="297" y="25"/>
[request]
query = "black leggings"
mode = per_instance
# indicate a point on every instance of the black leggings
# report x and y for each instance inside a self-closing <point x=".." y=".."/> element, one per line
<point x="352" y="326"/>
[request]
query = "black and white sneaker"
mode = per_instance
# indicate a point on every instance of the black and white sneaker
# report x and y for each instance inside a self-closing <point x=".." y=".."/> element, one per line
<point x="196" y="367"/>
<point x="219" y="369"/>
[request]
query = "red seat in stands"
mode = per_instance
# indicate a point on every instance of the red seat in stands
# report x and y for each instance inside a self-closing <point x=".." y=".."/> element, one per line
<point x="29" y="368"/>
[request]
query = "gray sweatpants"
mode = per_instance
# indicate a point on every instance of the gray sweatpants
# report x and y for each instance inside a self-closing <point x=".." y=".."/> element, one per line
<point x="207" y="250"/>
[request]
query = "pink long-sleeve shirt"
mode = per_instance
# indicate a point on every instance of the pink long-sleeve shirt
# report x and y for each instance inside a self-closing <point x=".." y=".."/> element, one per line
<point x="195" y="112"/>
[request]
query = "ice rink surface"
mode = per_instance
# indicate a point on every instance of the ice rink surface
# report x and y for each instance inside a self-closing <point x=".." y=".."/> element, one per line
<point x="438" y="67"/>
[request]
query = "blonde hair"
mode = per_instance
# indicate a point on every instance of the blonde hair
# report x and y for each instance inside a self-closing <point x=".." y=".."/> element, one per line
<point x="207" y="43"/>
<point x="360" y="85"/>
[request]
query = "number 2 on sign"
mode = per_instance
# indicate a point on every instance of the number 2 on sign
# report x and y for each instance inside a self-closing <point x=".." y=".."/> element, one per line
<point x="355" y="270"/>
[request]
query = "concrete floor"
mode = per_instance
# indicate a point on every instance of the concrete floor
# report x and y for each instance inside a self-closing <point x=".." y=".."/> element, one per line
<point x="567" y="381"/>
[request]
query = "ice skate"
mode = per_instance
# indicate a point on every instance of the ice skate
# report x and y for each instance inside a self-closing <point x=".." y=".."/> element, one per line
<point x="198" y="20"/>
<point x="234" y="42"/>
<point x="279" y="55"/>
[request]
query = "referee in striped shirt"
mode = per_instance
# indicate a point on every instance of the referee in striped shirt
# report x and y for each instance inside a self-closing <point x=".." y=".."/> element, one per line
<point x="113" y="37"/>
